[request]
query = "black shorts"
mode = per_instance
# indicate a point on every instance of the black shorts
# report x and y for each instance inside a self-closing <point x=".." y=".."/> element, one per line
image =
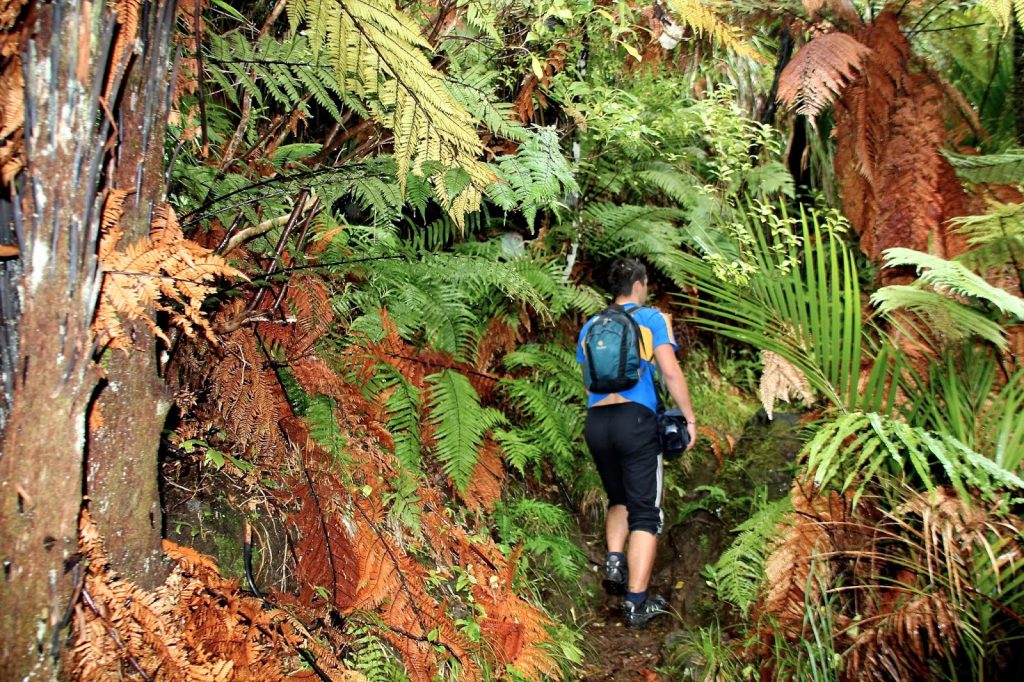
<point x="623" y="440"/>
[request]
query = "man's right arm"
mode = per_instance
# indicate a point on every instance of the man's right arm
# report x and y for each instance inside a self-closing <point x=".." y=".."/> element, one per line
<point x="675" y="381"/>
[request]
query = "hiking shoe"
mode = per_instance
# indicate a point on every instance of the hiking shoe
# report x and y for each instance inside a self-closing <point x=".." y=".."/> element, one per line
<point x="639" y="616"/>
<point x="616" y="574"/>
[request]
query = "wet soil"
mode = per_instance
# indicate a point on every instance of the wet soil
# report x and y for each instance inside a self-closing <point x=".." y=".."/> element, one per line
<point x="717" y="498"/>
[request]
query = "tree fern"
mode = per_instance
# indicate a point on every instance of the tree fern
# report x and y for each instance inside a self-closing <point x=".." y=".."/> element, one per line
<point x="460" y="424"/>
<point x="379" y="54"/>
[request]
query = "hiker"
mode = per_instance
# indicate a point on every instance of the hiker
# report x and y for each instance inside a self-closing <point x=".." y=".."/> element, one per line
<point x="621" y="429"/>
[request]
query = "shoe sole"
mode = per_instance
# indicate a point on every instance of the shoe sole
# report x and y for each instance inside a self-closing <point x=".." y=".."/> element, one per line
<point x="614" y="588"/>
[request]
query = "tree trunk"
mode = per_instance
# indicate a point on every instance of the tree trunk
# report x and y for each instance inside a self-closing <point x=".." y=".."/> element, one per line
<point x="43" y="440"/>
<point x="43" y="464"/>
<point x="132" y="404"/>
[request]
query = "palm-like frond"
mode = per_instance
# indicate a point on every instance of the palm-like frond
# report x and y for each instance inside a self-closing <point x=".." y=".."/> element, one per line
<point x="963" y="393"/>
<point x="803" y="303"/>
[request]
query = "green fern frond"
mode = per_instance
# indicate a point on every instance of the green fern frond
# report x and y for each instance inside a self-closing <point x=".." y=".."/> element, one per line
<point x="379" y="54"/>
<point x="798" y="295"/>
<point x="771" y="178"/>
<point x="323" y="427"/>
<point x="1005" y="10"/>
<point x="403" y="406"/>
<point x="996" y="237"/>
<point x="679" y="186"/>
<point x="738" y="574"/>
<point x="955" y="278"/>
<point x="460" y="424"/>
<point x="520" y="448"/>
<point x="945" y="315"/>
<point x="550" y="362"/>
<point x="645" y="231"/>
<point x="548" y="279"/>
<point x="858" y="447"/>
<point x="474" y="88"/>
<point x="556" y="424"/>
<point x="703" y="20"/>
<point x="370" y="655"/>
<point x="537" y="177"/>
<point x="1006" y="168"/>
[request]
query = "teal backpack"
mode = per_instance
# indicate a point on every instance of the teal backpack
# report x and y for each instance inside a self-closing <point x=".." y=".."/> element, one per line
<point x="612" y="361"/>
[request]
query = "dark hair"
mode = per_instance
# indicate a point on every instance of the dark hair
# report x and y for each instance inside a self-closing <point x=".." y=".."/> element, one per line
<point x="623" y="273"/>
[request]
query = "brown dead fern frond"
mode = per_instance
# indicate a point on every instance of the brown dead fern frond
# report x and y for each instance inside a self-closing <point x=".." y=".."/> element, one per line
<point x="780" y="380"/>
<point x="819" y="72"/>
<point x="128" y="13"/>
<point x="163" y="272"/>
<point x="197" y="626"/>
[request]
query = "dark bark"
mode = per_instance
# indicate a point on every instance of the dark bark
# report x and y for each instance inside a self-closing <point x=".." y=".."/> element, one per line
<point x="44" y="436"/>
<point x="121" y="463"/>
<point x="1017" y="95"/>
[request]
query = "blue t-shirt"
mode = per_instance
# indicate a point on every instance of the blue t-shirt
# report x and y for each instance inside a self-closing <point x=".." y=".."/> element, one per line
<point x="654" y="331"/>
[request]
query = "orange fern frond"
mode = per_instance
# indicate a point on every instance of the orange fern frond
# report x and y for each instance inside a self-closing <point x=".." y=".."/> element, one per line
<point x="484" y="488"/>
<point x="128" y="12"/>
<point x="896" y="186"/>
<point x="819" y="71"/>
<point x="197" y="626"/>
<point x="163" y="272"/>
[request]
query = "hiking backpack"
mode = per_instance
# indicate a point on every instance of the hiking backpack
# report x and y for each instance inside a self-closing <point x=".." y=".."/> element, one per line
<point x="612" y="360"/>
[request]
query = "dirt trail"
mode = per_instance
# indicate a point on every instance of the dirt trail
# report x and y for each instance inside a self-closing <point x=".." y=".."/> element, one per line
<point x="619" y="654"/>
<point x="614" y="653"/>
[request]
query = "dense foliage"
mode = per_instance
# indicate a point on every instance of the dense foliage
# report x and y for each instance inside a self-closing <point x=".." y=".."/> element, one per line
<point x="376" y="230"/>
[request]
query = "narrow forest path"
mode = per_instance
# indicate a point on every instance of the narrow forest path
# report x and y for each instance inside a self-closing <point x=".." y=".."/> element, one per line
<point x="712" y="498"/>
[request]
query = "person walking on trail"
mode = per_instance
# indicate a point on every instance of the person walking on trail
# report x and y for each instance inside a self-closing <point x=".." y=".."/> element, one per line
<point x="621" y="429"/>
